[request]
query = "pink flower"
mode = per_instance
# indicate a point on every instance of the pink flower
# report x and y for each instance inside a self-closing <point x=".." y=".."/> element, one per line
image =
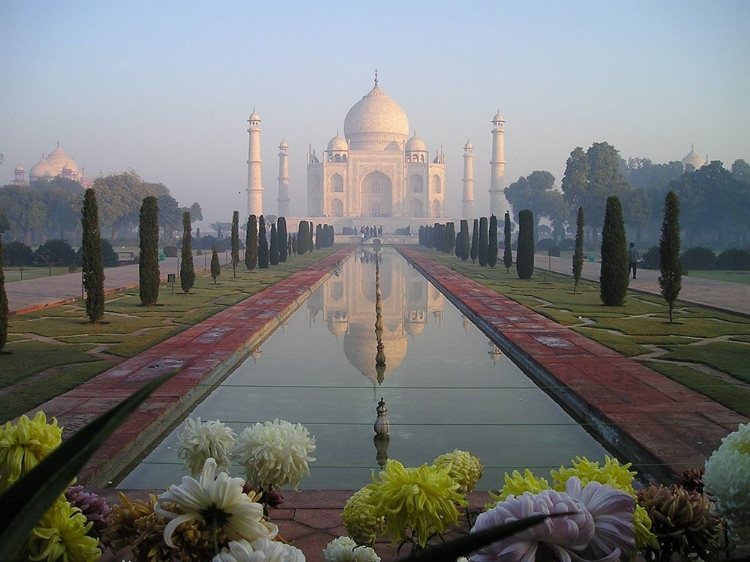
<point x="556" y="537"/>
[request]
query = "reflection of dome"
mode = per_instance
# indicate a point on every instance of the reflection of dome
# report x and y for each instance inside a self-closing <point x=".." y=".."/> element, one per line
<point x="694" y="159"/>
<point x="337" y="144"/>
<point x="414" y="323"/>
<point x="360" y="347"/>
<point x="375" y="122"/>
<point x="415" y="144"/>
<point x="337" y="326"/>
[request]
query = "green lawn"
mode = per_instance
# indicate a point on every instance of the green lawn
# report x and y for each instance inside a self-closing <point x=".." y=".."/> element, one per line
<point x="56" y="349"/>
<point x="723" y="275"/>
<point x="638" y="328"/>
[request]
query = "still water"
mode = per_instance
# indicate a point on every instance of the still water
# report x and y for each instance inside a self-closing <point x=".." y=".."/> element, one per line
<point x="445" y="385"/>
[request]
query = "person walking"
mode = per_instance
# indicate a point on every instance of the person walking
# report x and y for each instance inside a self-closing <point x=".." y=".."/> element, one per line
<point x="632" y="259"/>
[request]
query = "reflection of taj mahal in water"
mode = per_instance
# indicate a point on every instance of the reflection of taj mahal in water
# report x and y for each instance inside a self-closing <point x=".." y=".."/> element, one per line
<point x="347" y="305"/>
<point x="376" y="171"/>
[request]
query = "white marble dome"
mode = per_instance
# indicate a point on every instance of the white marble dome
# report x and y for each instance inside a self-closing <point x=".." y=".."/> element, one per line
<point x="59" y="160"/>
<point x="376" y="122"/>
<point x="415" y="144"/>
<point x="337" y="144"/>
<point x="42" y="170"/>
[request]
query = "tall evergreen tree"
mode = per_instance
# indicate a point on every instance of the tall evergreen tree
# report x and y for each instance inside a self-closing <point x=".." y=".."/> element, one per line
<point x="273" y="250"/>
<point x="282" y="234"/>
<point x="215" y="264"/>
<point x="463" y="248"/>
<point x="578" y="254"/>
<point x="613" y="279"/>
<point x="148" y="259"/>
<point x="187" y="268"/>
<point x="525" y="252"/>
<point x="492" y="246"/>
<point x="3" y="303"/>
<point x="450" y="237"/>
<point x="91" y="249"/>
<point x="670" y="263"/>
<point x="263" y="256"/>
<point x="484" y="241"/>
<point x="474" y="251"/>
<point x="310" y="241"/>
<point x="235" y="242"/>
<point x="251" y="243"/>
<point x="508" y="251"/>
<point x="302" y="237"/>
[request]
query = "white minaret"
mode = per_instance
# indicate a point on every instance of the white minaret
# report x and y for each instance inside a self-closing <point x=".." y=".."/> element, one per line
<point x="498" y="203"/>
<point x="254" y="183"/>
<point x="468" y="200"/>
<point x="283" y="179"/>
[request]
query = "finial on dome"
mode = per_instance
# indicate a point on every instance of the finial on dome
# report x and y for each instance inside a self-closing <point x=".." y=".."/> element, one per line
<point x="376" y="77"/>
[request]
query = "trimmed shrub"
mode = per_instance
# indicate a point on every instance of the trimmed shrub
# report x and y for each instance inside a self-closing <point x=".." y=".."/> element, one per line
<point x="3" y="302"/>
<point x="492" y="245"/>
<point x="16" y="254"/>
<point x="670" y="279"/>
<point x="651" y="258"/>
<point x="55" y="252"/>
<point x="699" y="258"/>
<point x="734" y="259"/>
<point x="613" y="278"/>
<point x="170" y="251"/>
<point x="484" y="241"/>
<point x="508" y="245"/>
<point x="283" y="236"/>
<point x="251" y="243"/>
<point x="215" y="265"/>
<point x="525" y="254"/>
<point x="148" y="260"/>
<point x="187" y="268"/>
<point x="93" y="270"/>
<point x="263" y="255"/>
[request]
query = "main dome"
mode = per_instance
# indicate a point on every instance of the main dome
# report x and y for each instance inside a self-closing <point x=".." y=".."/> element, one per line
<point x="376" y="122"/>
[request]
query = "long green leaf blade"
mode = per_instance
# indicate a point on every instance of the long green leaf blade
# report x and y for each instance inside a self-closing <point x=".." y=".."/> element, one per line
<point x="24" y="504"/>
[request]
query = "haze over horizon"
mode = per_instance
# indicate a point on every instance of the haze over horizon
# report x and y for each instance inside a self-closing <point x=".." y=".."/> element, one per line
<point x="165" y="89"/>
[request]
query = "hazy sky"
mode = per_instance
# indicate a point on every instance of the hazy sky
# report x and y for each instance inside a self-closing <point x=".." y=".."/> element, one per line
<point x="165" y="88"/>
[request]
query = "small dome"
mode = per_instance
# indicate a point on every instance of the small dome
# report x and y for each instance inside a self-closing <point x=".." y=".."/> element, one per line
<point x="338" y="326"/>
<point x="337" y="144"/>
<point x="283" y="144"/>
<point x="415" y="144"/>
<point x="376" y="122"/>
<point x="468" y="146"/>
<point x="19" y="169"/>
<point x="498" y="117"/>
<point x="694" y="159"/>
<point x="42" y="170"/>
<point x="254" y="116"/>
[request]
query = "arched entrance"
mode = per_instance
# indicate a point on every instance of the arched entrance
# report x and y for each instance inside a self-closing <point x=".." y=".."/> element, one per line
<point x="415" y="208"/>
<point x="376" y="195"/>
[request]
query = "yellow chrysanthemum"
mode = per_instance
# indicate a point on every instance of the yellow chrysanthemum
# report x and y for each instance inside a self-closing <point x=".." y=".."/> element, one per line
<point x="421" y="499"/>
<point x="517" y="485"/>
<point x="463" y="467"/>
<point x="24" y="445"/>
<point x="62" y="535"/>
<point x="360" y="521"/>
<point x="613" y="474"/>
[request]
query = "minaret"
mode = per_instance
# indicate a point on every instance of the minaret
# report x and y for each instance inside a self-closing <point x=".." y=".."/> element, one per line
<point x="498" y="204"/>
<point x="283" y="179"/>
<point x="254" y="183"/>
<point x="468" y="200"/>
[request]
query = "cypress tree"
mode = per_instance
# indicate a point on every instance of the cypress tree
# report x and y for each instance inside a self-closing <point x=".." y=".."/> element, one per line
<point x="613" y="279"/>
<point x="310" y="242"/>
<point x="578" y="254"/>
<point x="319" y="242"/>
<point x="262" y="244"/>
<point x="215" y="264"/>
<point x="492" y="246"/>
<point x="474" y="251"/>
<point x="148" y="260"/>
<point x="508" y="251"/>
<point x="331" y="236"/>
<point x="302" y="237"/>
<point x="670" y="280"/>
<point x="235" y="242"/>
<point x="484" y="241"/>
<point x="273" y="256"/>
<point x="3" y="303"/>
<point x="282" y="234"/>
<point x="91" y="249"/>
<point x="450" y="238"/>
<point x="525" y="253"/>
<point x="187" y="269"/>
<point x="251" y="243"/>
<point x="464" y="243"/>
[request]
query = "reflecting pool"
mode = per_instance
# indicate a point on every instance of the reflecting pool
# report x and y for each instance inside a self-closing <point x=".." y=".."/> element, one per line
<point x="444" y="384"/>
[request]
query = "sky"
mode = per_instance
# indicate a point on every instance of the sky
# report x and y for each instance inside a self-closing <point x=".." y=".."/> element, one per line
<point x="165" y="88"/>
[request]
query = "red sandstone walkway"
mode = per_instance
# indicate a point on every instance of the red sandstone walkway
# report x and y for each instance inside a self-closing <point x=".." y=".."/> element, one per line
<point x="659" y="425"/>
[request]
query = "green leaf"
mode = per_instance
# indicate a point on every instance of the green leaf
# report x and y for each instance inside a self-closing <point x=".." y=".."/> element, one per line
<point x="26" y="502"/>
<point x="463" y="546"/>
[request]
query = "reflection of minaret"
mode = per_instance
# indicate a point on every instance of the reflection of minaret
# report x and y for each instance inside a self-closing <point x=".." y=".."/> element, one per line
<point x="498" y="204"/>
<point x="283" y="179"/>
<point x="254" y="183"/>
<point x="468" y="200"/>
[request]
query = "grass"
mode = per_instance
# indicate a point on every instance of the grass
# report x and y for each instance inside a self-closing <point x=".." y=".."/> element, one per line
<point x="638" y="329"/>
<point x="13" y="274"/>
<point x="723" y="275"/>
<point x="56" y="349"/>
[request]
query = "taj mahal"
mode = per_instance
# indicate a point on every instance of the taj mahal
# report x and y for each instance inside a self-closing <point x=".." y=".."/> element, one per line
<point x="376" y="171"/>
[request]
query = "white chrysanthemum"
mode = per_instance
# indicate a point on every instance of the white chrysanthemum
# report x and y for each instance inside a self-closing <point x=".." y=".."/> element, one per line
<point x="202" y="440"/>
<point x="275" y="453"/>
<point x="260" y="550"/>
<point x="344" y="549"/>
<point x="726" y="481"/>
<point x="218" y="499"/>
